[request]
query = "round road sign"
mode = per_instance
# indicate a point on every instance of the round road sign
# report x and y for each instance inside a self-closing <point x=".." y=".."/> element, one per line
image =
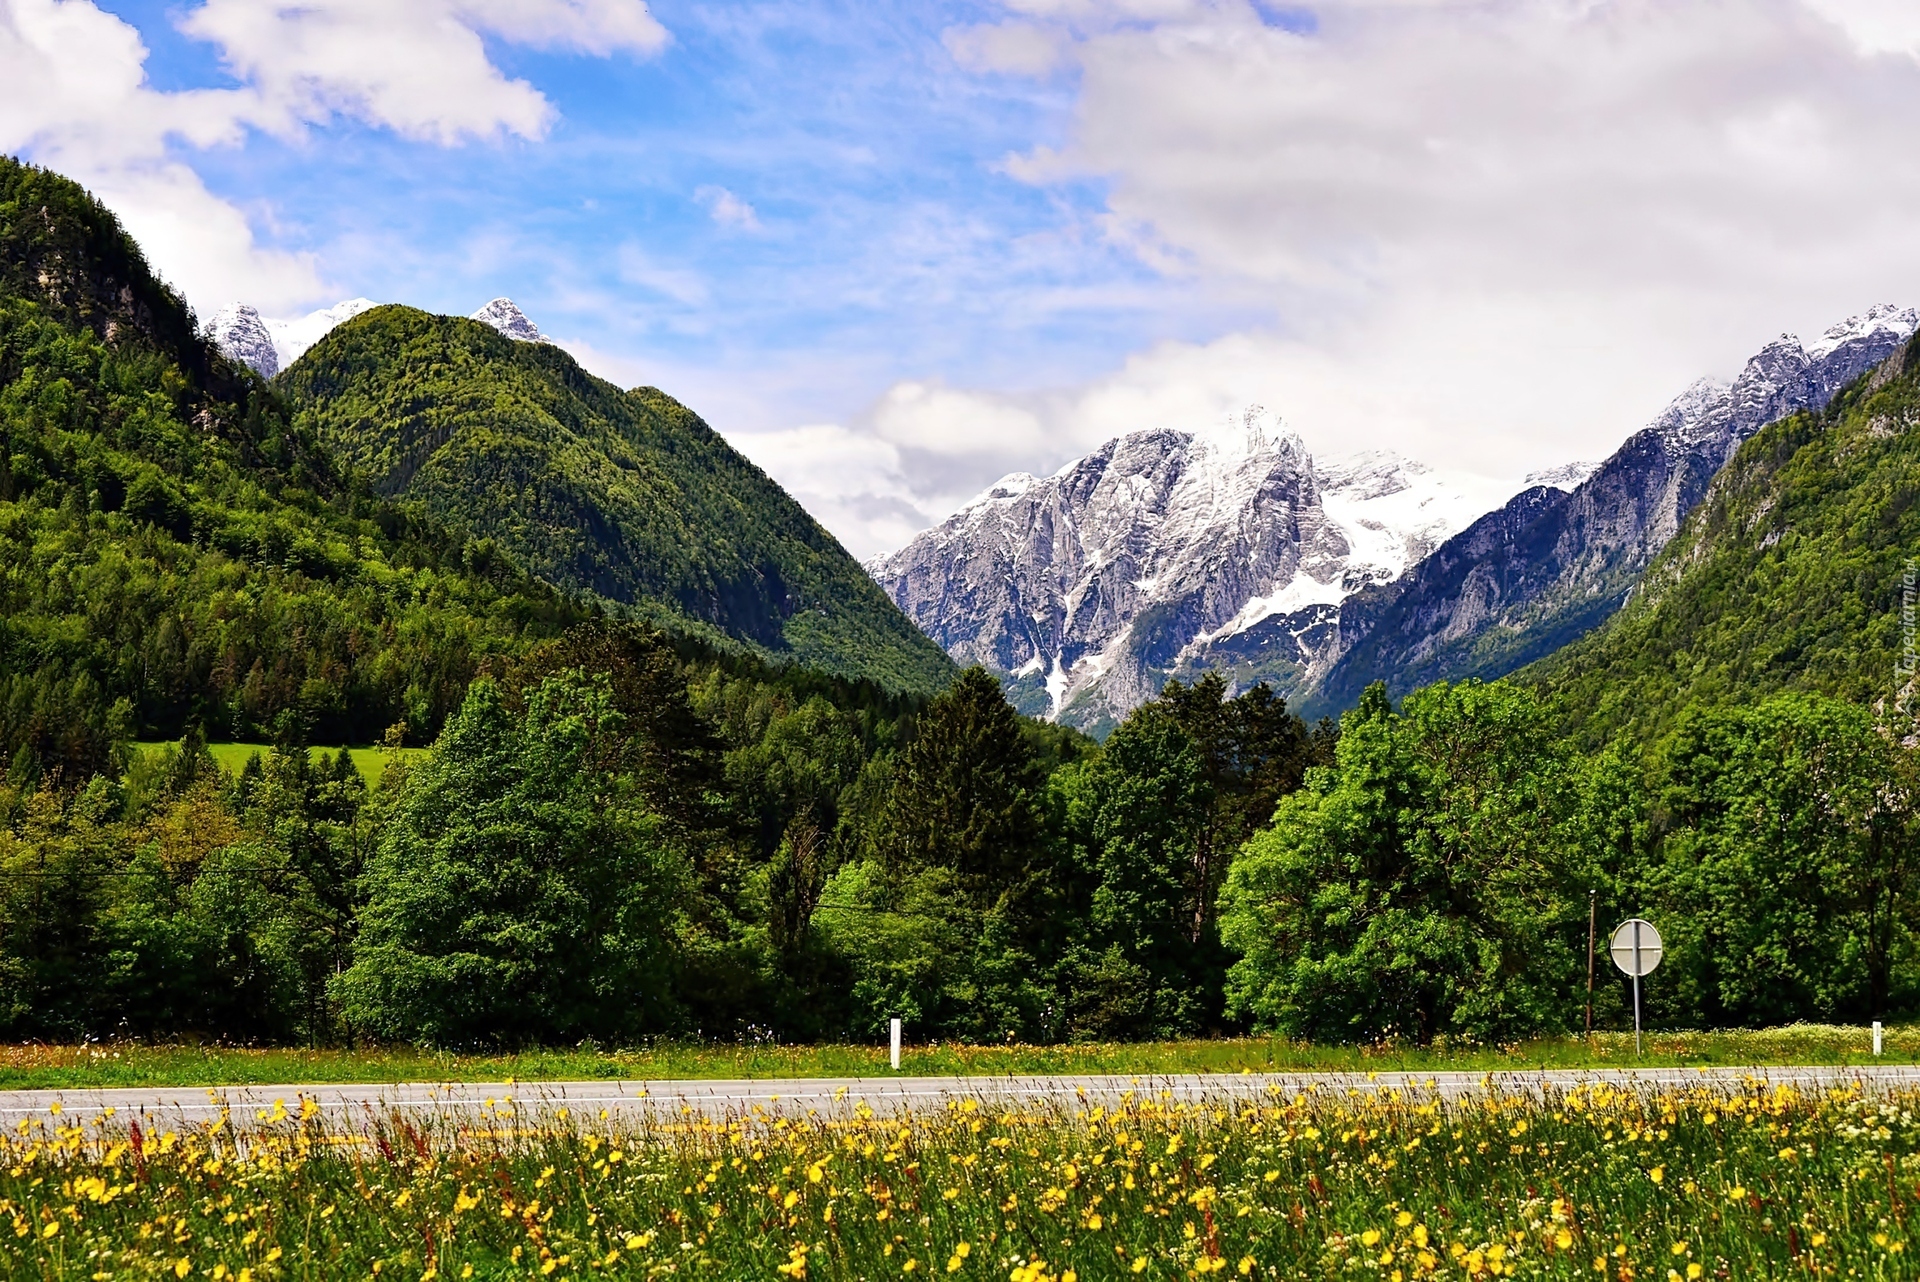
<point x="1635" y="947"/>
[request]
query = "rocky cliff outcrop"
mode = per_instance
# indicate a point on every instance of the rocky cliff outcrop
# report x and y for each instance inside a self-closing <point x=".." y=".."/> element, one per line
<point x="243" y="335"/>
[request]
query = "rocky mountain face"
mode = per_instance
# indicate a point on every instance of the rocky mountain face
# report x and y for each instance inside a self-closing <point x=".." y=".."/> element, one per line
<point x="1166" y="553"/>
<point x="240" y="332"/>
<point x="1553" y="563"/>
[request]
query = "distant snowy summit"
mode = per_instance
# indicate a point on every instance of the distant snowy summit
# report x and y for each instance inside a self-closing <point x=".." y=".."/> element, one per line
<point x="1167" y="553"/>
<point x="1568" y="476"/>
<point x="269" y="346"/>
<point x="502" y="315"/>
<point x="242" y="333"/>
<point x="1554" y="563"/>
<point x="1784" y="376"/>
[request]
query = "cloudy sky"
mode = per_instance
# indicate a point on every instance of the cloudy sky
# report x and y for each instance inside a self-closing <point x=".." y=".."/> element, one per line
<point x="894" y="251"/>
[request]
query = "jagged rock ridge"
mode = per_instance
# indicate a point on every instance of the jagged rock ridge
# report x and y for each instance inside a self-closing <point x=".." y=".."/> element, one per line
<point x="1554" y="563"/>
<point x="1165" y="553"/>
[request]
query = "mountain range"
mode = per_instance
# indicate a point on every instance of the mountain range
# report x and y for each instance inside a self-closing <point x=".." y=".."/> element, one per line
<point x="1552" y="564"/>
<point x="1166" y="554"/>
<point x="344" y="542"/>
<point x="1795" y="572"/>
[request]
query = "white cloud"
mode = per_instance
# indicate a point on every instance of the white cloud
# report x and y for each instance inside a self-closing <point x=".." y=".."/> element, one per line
<point x="852" y="483"/>
<point x="727" y="209"/>
<point x="419" y="68"/>
<point x="635" y="266"/>
<point x="1876" y="26"/>
<point x="938" y="420"/>
<point x="1017" y="48"/>
<point x="74" y="96"/>
<point x="76" y="99"/>
<point x="1495" y="234"/>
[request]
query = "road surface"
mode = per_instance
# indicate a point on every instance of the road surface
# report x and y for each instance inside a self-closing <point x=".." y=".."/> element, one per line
<point x="351" y="1104"/>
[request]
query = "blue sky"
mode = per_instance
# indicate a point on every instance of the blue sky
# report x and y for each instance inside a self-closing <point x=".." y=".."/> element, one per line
<point x="885" y="241"/>
<point x="896" y="251"/>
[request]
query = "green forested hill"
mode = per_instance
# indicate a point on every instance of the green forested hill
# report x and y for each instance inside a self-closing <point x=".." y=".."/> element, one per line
<point x="1789" y="576"/>
<point x="174" y="550"/>
<point x="628" y="496"/>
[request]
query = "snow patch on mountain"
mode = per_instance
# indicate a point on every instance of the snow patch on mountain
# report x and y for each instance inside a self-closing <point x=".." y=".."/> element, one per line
<point x="1881" y="319"/>
<point x="1568" y="476"/>
<point x="1395" y="510"/>
<point x="293" y="337"/>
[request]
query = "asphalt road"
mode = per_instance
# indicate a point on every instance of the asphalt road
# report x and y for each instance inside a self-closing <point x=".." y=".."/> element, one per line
<point x="346" y="1105"/>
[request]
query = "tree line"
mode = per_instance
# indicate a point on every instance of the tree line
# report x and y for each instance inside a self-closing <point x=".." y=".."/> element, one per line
<point x="618" y="837"/>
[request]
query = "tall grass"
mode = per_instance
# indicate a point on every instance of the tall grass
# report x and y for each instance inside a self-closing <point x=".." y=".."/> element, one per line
<point x="1594" y="1183"/>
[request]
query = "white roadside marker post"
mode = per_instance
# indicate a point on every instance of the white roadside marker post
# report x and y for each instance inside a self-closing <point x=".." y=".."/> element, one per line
<point x="896" y="1045"/>
<point x="1876" y="1039"/>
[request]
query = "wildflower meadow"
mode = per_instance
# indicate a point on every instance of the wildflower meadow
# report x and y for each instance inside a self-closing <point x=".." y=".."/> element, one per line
<point x="1598" y="1182"/>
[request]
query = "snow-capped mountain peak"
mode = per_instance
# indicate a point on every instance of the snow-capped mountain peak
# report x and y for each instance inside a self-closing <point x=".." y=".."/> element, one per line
<point x="240" y="332"/>
<point x="1883" y="318"/>
<point x="501" y="314"/>
<point x="1781" y="377"/>
<point x="1164" y="552"/>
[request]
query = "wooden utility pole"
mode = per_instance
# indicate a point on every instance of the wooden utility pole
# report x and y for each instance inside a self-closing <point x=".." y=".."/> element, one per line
<point x="1592" y="922"/>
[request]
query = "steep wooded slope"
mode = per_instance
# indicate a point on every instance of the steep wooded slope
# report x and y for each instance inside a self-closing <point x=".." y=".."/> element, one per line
<point x="625" y="495"/>
<point x="1555" y="563"/>
<point x="174" y="550"/>
<point x="1788" y="576"/>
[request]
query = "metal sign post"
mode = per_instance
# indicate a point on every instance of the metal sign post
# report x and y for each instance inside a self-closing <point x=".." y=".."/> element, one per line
<point x="1636" y="949"/>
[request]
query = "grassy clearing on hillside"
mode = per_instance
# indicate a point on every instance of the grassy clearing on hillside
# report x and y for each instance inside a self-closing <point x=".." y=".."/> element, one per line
<point x="1596" y="1183"/>
<point x="232" y="757"/>
<point x="130" y="1064"/>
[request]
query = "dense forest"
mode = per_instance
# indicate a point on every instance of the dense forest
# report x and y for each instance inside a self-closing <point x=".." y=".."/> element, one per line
<point x="623" y="835"/>
<point x="175" y="551"/>
<point x="635" y="824"/>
